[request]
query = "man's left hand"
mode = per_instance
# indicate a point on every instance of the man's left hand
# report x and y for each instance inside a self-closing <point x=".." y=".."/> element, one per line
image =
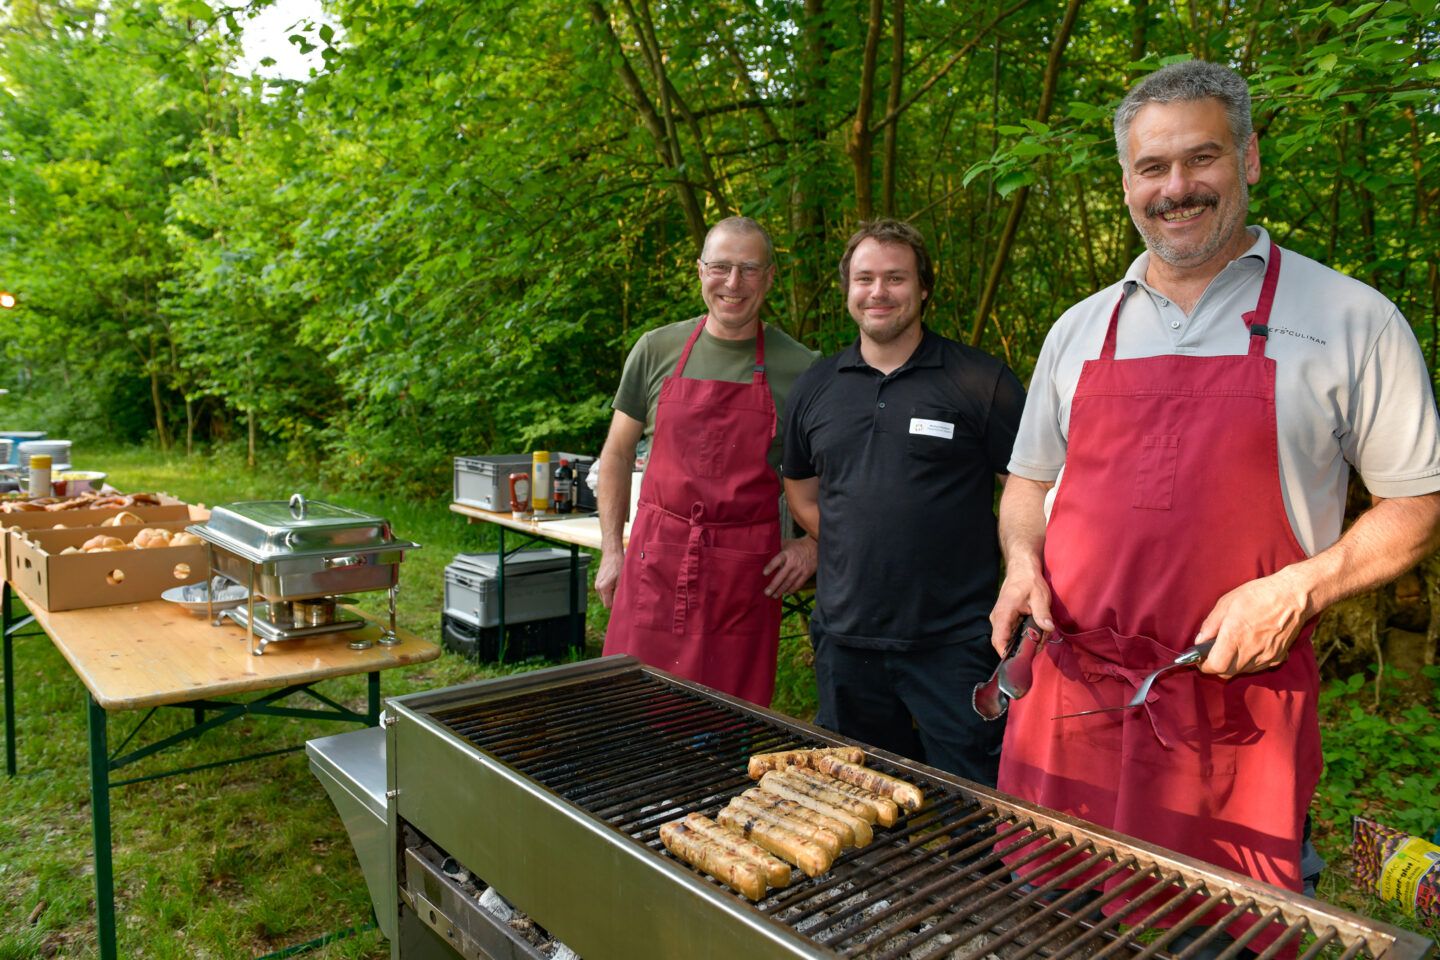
<point x="1254" y="625"/>
<point x="792" y="567"/>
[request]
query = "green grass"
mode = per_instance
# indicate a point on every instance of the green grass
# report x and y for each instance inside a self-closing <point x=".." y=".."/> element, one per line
<point x="245" y="860"/>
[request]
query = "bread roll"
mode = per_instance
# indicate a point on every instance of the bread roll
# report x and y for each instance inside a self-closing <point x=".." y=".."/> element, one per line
<point x="151" y="537"/>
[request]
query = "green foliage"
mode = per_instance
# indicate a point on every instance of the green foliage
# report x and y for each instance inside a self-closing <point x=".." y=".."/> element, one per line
<point x="446" y="238"/>
<point x="1380" y="760"/>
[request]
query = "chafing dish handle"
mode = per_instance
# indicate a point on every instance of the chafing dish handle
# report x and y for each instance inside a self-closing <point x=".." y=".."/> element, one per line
<point x="353" y="560"/>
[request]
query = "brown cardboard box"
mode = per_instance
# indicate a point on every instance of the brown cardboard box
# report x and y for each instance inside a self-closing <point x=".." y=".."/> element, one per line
<point x="169" y="509"/>
<point x="71" y="581"/>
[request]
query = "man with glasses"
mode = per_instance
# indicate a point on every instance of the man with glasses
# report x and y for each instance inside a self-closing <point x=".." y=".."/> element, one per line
<point x="697" y="590"/>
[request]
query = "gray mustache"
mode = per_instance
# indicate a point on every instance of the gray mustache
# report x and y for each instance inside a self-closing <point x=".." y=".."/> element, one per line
<point x="1165" y="205"/>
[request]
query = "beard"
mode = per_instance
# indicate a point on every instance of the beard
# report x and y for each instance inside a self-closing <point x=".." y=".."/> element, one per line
<point x="1229" y="217"/>
<point x="882" y="333"/>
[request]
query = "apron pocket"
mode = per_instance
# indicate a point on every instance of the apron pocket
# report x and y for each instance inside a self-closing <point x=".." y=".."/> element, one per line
<point x="657" y="569"/>
<point x="705" y="453"/>
<point x="1155" y="475"/>
<point x="732" y="592"/>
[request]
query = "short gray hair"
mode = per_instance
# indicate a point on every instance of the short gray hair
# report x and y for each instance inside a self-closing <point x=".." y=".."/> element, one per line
<point x="742" y="225"/>
<point x="1189" y="80"/>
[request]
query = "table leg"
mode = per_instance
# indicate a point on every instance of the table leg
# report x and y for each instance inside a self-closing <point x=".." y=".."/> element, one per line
<point x="577" y="623"/>
<point x="373" y="689"/>
<point x="100" y="813"/>
<point x="9" y="694"/>
<point x="500" y="598"/>
<point x="7" y="622"/>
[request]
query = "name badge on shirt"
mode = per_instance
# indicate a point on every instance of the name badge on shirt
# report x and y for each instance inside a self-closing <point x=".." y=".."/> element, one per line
<point x="932" y="428"/>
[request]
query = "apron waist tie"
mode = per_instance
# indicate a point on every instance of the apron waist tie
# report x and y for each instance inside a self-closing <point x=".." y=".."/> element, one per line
<point x="688" y="577"/>
<point x="1134" y="679"/>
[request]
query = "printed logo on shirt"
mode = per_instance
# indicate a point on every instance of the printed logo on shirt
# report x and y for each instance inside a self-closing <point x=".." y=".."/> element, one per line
<point x="1298" y="334"/>
<point x="932" y="428"/>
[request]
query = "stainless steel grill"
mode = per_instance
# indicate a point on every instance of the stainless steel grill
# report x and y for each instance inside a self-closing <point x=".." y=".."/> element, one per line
<point x="552" y="786"/>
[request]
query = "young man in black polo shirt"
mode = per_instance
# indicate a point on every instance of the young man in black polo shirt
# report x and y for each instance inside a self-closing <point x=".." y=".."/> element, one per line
<point x="893" y="446"/>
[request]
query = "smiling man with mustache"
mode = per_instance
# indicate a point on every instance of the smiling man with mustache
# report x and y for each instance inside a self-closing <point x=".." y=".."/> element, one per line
<point x="1180" y="476"/>
<point x="892" y="446"/>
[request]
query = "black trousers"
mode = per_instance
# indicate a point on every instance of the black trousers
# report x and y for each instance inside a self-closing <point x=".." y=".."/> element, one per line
<point x="916" y="704"/>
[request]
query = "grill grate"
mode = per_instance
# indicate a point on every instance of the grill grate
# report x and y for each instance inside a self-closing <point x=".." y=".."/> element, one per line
<point x="636" y="750"/>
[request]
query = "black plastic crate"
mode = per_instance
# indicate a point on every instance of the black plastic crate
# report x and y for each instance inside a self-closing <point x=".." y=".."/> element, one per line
<point x="547" y="639"/>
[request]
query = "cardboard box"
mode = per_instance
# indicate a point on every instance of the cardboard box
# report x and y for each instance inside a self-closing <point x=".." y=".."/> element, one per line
<point x="24" y="522"/>
<point x="72" y="581"/>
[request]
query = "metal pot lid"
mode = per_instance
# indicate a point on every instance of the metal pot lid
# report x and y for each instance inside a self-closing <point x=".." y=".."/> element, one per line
<point x="264" y="530"/>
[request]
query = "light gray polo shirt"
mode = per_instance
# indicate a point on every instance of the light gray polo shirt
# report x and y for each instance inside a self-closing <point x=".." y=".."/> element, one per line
<point x="1351" y="387"/>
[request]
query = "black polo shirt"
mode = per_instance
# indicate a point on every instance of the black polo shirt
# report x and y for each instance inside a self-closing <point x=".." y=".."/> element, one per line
<point x="909" y="557"/>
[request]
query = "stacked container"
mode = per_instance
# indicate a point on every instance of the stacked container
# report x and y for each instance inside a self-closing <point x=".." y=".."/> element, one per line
<point x="537" y="604"/>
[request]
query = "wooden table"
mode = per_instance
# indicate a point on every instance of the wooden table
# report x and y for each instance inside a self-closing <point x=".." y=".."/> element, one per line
<point x="152" y="655"/>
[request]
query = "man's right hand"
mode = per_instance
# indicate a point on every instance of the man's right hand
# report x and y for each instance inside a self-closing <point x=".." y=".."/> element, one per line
<point x="1022" y="539"/>
<point x="607" y="577"/>
<point x="612" y="495"/>
<point x="1022" y="593"/>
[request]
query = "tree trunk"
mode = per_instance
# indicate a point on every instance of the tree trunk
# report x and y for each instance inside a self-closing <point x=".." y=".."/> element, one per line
<point x="1017" y="206"/>
<point x="162" y="431"/>
<point x="250" y="438"/>
<point x="892" y="104"/>
<point x="189" y="427"/>
<point x="667" y="147"/>
<point x="807" y="212"/>
<point x="861" y="142"/>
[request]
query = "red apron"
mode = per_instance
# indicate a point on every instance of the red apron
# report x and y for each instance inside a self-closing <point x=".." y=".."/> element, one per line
<point x="1170" y="498"/>
<point x="691" y="597"/>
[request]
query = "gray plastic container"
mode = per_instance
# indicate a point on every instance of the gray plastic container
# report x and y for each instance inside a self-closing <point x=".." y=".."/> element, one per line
<point x="537" y="586"/>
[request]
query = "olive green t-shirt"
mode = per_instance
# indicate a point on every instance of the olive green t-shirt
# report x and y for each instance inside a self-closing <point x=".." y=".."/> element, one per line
<point x="655" y="354"/>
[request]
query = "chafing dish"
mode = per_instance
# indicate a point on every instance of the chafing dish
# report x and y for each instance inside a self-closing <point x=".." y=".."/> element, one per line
<point x="298" y="555"/>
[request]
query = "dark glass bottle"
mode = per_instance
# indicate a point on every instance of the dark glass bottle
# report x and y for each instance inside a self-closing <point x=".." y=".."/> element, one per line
<point x="564" y="487"/>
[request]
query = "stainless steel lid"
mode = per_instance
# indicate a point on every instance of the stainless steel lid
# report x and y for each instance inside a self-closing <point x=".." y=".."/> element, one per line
<point x="264" y="530"/>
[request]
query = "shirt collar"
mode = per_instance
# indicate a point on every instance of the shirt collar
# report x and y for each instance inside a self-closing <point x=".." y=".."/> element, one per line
<point x="1259" y="252"/>
<point x="927" y="354"/>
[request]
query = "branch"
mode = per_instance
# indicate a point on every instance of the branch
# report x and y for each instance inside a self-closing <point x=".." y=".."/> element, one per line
<point x="1017" y="206"/>
<point x="939" y="75"/>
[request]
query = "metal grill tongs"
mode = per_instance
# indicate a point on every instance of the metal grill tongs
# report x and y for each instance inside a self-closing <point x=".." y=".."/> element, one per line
<point x="1189" y="658"/>
<point x="1012" y="677"/>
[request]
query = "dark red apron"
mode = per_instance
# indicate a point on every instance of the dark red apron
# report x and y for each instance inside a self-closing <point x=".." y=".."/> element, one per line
<point x="691" y="597"/>
<point x="1170" y="498"/>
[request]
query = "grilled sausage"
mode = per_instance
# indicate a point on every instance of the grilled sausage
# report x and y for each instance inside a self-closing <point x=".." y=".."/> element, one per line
<point x="887" y="811"/>
<point x="798" y="791"/>
<point x="788" y="807"/>
<point x="827" y="840"/>
<point x="811" y="858"/>
<point x="761" y="762"/>
<point x="820" y="789"/>
<point x="777" y="871"/>
<point x="906" y="794"/>
<point x="733" y="871"/>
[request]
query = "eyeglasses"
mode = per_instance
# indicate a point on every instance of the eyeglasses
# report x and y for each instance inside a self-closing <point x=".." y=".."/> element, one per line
<point x="720" y="269"/>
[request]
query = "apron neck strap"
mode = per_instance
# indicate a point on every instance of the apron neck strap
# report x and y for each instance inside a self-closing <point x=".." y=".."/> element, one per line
<point x="695" y="335"/>
<point x="1257" y="320"/>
